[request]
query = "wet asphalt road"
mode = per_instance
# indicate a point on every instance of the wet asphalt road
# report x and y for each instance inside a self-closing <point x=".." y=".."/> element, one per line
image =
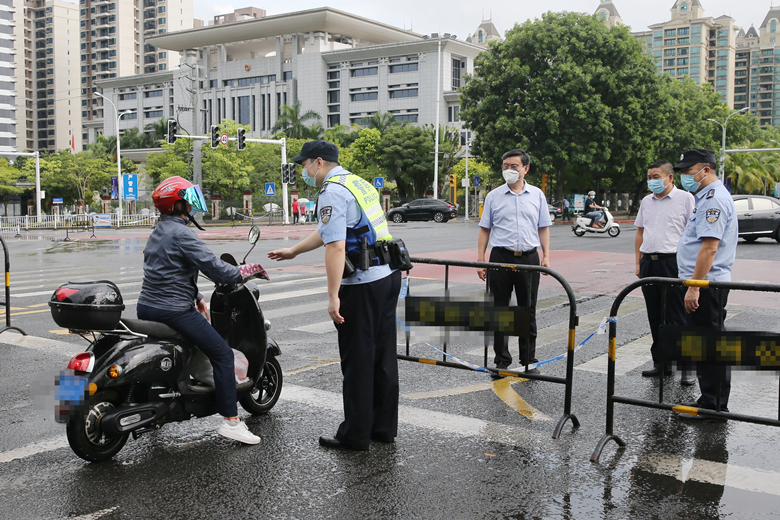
<point x="468" y="446"/>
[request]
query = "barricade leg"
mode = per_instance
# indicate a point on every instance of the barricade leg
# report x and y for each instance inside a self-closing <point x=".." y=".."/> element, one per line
<point x="609" y="435"/>
<point x="567" y="415"/>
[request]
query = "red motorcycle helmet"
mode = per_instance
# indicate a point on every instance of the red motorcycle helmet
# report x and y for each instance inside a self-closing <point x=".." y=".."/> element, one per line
<point x="173" y="189"/>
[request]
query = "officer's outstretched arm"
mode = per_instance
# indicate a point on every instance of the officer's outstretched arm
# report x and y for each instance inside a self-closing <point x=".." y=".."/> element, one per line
<point x="334" y="266"/>
<point x="309" y="243"/>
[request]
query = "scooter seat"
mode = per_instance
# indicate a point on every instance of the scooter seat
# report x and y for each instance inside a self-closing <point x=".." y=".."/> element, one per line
<point x="155" y="329"/>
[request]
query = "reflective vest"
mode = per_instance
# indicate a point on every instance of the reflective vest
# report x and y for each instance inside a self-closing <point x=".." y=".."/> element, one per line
<point x="372" y="223"/>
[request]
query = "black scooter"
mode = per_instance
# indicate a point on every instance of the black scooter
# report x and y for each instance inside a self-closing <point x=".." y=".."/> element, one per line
<point x="135" y="375"/>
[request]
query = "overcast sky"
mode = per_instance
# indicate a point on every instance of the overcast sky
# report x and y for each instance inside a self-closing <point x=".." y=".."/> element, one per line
<point x="461" y="17"/>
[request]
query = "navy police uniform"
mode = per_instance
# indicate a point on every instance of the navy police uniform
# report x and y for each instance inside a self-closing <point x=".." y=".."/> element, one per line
<point x="714" y="217"/>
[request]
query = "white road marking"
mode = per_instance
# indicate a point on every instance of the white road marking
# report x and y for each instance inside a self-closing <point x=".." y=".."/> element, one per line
<point x="631" y="355"/>
<point x="322" y="327"/>
<point x="41" y="344"/>
<point x="717" y="473"/>
<point x="292" y="294"/>
<point x="95" y="515"/>
<point x="34" y="449"/>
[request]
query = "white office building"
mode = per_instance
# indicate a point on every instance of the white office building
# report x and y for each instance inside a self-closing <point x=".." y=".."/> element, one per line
<point x="342" y="66"/>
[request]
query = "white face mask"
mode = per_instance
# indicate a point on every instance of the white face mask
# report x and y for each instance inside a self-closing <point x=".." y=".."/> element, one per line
<point x="511" y="176"/>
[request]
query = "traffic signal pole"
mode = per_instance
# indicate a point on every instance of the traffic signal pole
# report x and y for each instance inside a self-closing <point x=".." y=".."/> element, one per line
<point x="279" y="142"/>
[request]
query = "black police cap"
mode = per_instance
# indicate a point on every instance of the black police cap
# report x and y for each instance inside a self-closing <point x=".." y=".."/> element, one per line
<point x="695" y="156"/>
<point x="313" y="149"/>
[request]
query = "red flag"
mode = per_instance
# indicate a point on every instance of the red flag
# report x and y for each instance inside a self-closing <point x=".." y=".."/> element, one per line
<point x="73" y="143"/>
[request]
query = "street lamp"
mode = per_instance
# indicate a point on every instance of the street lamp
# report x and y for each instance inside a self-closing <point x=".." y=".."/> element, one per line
<point x="722" y="171"/>
<point x="118" y="153"/>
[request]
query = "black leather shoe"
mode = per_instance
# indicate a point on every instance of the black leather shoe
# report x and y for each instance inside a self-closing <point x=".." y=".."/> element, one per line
<point x="687" y="379"/>
<point x="656" y="372"/>
<point x="332" y="442"/>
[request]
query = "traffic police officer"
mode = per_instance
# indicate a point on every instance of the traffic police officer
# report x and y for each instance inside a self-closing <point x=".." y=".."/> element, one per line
<point x="362" y="295"/>
<point x="706" y="251"/>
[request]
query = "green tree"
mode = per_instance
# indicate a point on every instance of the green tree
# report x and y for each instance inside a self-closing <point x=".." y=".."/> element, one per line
<point x="382" y="121"/>
<point x="405" y="154"/>
<point x="225" y="169"/>
<point x="750" y="172"/>
<point x="342" y="136"/>
<point x="293" y="123"/>
<point x="573" y="92"/>
<point x="76" y="176"/>
<point x="172" y="161"/>
<point x="8" y="176"/>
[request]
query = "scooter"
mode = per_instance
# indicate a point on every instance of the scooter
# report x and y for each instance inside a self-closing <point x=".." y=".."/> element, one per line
<point x="135" y="376"/>
<point x="582" y="225"/>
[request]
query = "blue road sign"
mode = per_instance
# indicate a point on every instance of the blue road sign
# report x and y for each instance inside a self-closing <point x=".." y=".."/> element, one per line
<point x="130" y="182"/>
<point x="56" y="200"/>
<point x="476" y="180"/>
<point x="379" y="182"/>
<point x="270" y="189"/>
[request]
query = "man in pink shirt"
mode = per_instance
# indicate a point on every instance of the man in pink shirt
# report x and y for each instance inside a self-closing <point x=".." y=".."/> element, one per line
<point x="660" y="223"/>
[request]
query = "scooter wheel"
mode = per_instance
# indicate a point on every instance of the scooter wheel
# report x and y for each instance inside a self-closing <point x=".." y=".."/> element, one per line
<point x="613" y="231"/>
<point x="266" y="392"/>
<point x="86" y="437"/>
<point x="579" y="231"/>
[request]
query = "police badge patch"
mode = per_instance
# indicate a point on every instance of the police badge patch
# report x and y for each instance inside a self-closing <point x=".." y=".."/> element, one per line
<point x="325" y="214"/>
<point x="712" y="215"/>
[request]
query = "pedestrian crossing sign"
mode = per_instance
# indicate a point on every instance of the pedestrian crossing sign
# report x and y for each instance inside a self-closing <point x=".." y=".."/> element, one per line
<point x="270" y="189"/>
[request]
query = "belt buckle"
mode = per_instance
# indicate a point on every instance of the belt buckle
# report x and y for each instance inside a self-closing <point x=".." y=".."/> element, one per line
<point x="518" y="253"/>
<point x="653" y="257"/>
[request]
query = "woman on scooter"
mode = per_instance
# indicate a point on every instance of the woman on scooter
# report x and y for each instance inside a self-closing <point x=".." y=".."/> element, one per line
<point x="590" y="210"/>
<point x="172" y="259"/>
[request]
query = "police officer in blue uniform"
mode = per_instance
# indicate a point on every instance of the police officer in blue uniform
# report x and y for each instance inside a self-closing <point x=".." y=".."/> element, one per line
<point x="362" y="295"/>
<point x="706" y="251"/>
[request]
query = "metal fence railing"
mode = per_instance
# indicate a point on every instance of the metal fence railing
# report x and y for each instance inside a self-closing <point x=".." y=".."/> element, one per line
<point x="32" y="222"/>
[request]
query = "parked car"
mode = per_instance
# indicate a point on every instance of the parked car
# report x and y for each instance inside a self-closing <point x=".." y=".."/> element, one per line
<point x="555" y="213"/>
<point x="423" y="209"/>
<point x="757" y="216"/>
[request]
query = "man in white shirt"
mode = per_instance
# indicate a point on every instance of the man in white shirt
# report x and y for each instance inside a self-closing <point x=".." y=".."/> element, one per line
<point x="660" y="223"/>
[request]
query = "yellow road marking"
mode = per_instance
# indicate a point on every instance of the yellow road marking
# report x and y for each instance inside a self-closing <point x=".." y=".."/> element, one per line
<point x="61" y="332"/>
<point x="503" y="389"/>
<point x="30" y="312"/>
<point x="446" y="392"/>
<point x="38" y="305"/>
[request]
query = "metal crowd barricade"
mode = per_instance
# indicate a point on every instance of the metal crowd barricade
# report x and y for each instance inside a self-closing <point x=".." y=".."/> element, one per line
<point x="759" y="351"/>
<point x="7" y="301"/>
<point x="463" y="315"/>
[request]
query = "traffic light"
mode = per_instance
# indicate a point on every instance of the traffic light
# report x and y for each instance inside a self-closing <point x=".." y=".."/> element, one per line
<point x="291" y="171"/>
<point x="241" y="138"/>
<point x="214" y="136"/>
<point x="453" y="180"/>
<point x="545" y="179"/>
<point x="172" y="127"/>
<point x="285" y="174"/>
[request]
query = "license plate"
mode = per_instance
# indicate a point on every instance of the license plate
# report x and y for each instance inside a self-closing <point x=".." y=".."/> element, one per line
<point x="70" y="388"/>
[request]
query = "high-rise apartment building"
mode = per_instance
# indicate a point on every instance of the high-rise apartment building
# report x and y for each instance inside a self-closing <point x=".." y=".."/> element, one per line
<point x="7" y="88"/>
<point x="114" y="44"/>
<point x="757" y="70"/>
<point x="47" y="75"/>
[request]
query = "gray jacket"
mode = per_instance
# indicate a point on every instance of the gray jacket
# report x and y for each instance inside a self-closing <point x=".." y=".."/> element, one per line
<point x="172" y="258"/>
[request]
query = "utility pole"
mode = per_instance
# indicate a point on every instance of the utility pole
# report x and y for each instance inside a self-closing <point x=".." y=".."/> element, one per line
<point x="438" y="104"/>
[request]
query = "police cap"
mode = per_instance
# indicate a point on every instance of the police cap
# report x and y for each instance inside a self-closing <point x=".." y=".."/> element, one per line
<point x="314" y="149"/>
<point x="695" y="156"/>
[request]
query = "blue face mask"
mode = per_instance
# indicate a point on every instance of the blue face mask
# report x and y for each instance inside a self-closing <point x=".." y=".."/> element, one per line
<point x="689" y="184"/>
<point x="656" y="185"/>
<point x="311" y="181"/>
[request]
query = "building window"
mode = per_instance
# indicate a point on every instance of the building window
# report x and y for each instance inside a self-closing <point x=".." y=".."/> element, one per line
<point x="334" y="120"/>
<point x="407" y="118"/>
<point x="244" y="110"/>
<point x="334" y="96"/>
<point x="334" y="75"/>
<point x="367" y="96"/>
<point x="286" y="75"/>
<point x="404" y="93"/>
<point x="453" y="114"/>
<point x="153" y="93"/>
<point x="457" y="65"/>
<point x="370" y="71"/>
<point x="481" y="37"/>
<point x="670" y="32"/>
<point x="684" y="6"/>
<point x="773" y="26"/>
<point x="406" y="67"/>
<point x="153" y="114"/>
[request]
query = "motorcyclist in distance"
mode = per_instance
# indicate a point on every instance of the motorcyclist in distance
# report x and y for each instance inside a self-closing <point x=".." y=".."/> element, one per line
<point x="173" y="257"/>
<point x="590" y="210"/>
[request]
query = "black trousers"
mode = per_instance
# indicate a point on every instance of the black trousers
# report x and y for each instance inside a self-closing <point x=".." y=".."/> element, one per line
<point x="665" y="267"/>
<point x="526" y="288"/>
<point x="711" y="313"/>
<point x="367" y="345"/>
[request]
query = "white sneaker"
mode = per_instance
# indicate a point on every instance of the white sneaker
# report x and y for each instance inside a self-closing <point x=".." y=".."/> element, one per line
<point x="238" y="432"/>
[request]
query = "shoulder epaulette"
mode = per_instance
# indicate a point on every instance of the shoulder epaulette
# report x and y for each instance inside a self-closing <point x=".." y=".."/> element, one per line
<point x="711" y="193"/>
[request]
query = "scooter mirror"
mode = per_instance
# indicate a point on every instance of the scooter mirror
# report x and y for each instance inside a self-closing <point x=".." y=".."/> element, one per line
<point x="254" y="235"/>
